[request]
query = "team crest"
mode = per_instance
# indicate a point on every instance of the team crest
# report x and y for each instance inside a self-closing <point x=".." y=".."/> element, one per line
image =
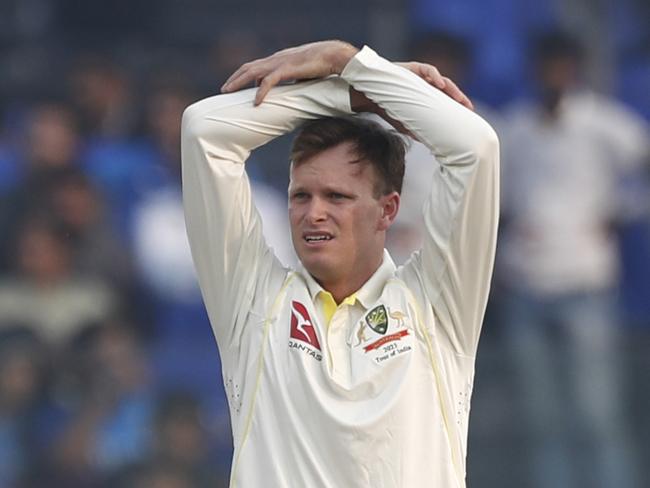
<point x="377" y="319"/>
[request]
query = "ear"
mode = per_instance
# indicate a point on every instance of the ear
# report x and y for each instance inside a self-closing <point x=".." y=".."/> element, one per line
<point x="389" y="207"/>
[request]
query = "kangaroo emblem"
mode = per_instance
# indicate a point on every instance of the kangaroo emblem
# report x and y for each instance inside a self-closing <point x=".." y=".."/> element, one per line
<point x="397" y="315"/>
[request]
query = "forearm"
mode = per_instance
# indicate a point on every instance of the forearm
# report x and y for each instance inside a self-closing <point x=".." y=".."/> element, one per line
<point x="361" y="103"/>
<point x="232" y="126"/>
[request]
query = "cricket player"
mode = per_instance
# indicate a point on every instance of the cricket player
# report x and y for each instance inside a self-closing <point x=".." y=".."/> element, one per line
<point x="346" y="372"/>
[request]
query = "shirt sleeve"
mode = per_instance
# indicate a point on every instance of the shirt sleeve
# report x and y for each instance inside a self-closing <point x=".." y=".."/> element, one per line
<point x="452" y="272"/>
<point x="233" y="263"/>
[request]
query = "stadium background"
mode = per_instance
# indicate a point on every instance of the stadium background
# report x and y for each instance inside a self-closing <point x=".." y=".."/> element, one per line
<point x="109" y="375"/>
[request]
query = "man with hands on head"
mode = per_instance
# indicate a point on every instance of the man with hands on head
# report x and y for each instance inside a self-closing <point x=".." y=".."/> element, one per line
<point x="347" y="372"/>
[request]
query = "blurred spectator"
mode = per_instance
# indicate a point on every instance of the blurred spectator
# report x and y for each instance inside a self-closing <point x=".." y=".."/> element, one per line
<point x="22" y="372"/>
<point x="49" y="138"/>
<point x="96" y="252"/>
<point x="180" y="439"/>
<point x="52" y="137"/>
<point x="156" y="221"/>
<point x="101" y="92"/>
<point x="44" y="292"/>
<point x="109" y="406"/>
<point x="51" y="142"/>
<point x="54" y="186"/>
<point x="114" y="159"/>
<point x="564" y="154"/>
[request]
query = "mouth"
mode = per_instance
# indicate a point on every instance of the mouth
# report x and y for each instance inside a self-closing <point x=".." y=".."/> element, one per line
<point x="317" y="238"/>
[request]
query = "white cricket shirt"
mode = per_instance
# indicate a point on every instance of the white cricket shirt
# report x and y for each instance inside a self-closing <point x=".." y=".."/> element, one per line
<point x="379" y="397"/>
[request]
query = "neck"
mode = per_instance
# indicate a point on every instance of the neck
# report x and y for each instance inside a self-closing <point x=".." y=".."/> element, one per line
<point x="343" y="287"/>
<point x="340" y="293"/>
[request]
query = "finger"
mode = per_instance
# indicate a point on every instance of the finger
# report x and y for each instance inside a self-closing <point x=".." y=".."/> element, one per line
<point x="433" y="76"/>
<point x="235" y="82"/>
<point x="239" y="72"/>
<point x="427" y="72"/>
<point x="453" y="91"/>
<point x="267" y="83"/>
<point x="458" y="95"/>
<point x="252" y="76"/>
<point x="246" y="74"/>
<point x="243" y="80"/>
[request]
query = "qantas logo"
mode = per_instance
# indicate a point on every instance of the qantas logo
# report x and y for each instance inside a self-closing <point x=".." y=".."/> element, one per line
<point x="302" y="328"/>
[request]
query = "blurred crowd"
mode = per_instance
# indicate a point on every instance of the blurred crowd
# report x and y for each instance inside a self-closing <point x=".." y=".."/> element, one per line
<point x="109" y="374"/>
<point x="108" y="369"/>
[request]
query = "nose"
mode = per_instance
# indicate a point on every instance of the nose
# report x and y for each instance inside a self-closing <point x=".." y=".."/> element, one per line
<point x="316" y="210"/>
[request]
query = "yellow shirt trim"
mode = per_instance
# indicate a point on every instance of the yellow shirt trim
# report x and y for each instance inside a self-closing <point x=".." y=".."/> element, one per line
<point x="329" y="305"/>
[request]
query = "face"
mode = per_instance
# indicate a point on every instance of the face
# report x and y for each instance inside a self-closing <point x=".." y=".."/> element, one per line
<point x="338" y="224"/>
<point x="558" y="75"/>
<point x="41" y="256"/>
<point x="52" y="138"/>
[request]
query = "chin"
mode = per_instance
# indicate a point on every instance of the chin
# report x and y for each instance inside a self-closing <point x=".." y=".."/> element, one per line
<point x="318" y="266"/>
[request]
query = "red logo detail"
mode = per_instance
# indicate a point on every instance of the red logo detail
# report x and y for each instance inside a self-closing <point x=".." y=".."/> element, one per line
<point x="302" y="327"/>
<point x="389" y="338"/>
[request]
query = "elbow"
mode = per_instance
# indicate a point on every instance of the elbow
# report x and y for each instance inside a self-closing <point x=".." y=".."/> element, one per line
<point x="488" y="148"/>
<point x="195" y="131"/>
<point x="474" y="143"/>
<point x="208" y="120"/>
<point x="485" y="147"/>
<point x="208" y="134"/>
<point x="192" y="123"/>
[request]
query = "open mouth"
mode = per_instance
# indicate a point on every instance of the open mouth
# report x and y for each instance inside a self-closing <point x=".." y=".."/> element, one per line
<point x="313" y="238"/>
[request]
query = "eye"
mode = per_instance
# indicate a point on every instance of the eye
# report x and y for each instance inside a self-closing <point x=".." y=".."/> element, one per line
<point x="299" y="195"/>
<point x="336" y="196"/>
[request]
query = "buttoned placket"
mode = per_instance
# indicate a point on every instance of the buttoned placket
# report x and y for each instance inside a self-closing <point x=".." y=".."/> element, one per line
<point x="337" y="343"/>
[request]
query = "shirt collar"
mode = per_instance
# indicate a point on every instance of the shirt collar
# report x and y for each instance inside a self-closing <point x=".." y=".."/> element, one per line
<point x="368" y="293"/>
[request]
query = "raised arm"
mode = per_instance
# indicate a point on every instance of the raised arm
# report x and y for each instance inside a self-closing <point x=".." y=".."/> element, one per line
<point x="454" y="268"/>
<point x="223" y="226"/>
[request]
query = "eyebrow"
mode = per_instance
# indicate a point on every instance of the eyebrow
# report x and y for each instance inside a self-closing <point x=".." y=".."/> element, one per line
<point x="327" y="189"/>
